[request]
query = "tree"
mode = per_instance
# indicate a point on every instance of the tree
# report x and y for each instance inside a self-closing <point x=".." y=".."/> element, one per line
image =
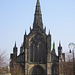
<point x="66" y="68"/>
<point x="3" y="63"/>
<point x="16" y="68"/>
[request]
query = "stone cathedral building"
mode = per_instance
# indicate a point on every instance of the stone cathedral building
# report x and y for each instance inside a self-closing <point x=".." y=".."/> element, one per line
<point x="36" y="56"/>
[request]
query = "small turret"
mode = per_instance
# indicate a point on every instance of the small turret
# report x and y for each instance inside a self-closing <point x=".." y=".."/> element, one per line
<point x="54" y="45"/>
<point x="49" y="42"/>
<point x="45" y="29"/>
<point x="59" y="44"/>
<point x="25" y="36"/>
<point x="15" y="51"/>
<point x="59" y="50"/>
<point x="49" y="32"/>
<point x="53" y="48"/>
<point x="24" y="42"/>
<point x="21" y="49"/>
<point x="30" y="28"/>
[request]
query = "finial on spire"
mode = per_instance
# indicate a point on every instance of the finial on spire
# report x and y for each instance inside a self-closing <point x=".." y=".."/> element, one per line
<point x="54" y="48"/>
<point x="53" y="45"/>
<point x="25" y="32"/>
<point x="49" y="32"/>
<point x="45" y="29"/>
<point x="15" y="44"/>
<point x="38" y="2"/>
<point x="59" y="44"/>
<point x="30" y="28"/>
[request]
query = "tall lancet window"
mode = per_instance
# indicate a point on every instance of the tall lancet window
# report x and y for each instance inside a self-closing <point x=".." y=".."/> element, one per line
<point x="44" y="53"/>
<point x="40" y="53"/>
<point x="31" y="53"/>
<point x="35" y="53"/>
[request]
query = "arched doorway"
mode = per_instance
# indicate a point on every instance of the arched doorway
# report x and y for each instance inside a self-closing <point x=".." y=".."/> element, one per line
<point x="37" y="70"/>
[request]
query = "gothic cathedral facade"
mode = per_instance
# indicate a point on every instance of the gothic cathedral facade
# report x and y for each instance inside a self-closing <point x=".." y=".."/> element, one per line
<point x="36" y="56"/>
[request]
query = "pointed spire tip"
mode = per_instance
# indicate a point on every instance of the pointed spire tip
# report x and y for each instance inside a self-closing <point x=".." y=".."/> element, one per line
<point x="38" y="2"/>
<point x="15" y="43"/>
<point x="53" y="45"/>
<point x="59" y="44"/>
<point x="49" y="32"/>
<point x="25" y="31"/>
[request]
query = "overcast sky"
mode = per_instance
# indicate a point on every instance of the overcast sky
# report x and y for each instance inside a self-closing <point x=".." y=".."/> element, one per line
<point x="18" y="15"/>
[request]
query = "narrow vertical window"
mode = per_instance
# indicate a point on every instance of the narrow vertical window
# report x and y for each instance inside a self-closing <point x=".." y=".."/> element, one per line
<point x="35" y="53"/>
<point x="31" y="53"/>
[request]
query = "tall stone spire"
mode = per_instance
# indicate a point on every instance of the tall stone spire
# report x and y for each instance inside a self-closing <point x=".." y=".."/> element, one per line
<point x="38" y="17"/>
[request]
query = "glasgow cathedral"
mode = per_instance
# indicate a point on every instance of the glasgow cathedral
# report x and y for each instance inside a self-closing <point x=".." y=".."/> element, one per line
<point x="36" y="56"/>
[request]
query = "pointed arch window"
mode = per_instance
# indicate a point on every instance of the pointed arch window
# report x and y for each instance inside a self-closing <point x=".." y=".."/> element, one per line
<point x="31" y="53"/>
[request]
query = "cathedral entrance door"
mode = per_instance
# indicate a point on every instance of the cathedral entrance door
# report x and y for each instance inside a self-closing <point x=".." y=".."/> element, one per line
<point x="37" y="70"/>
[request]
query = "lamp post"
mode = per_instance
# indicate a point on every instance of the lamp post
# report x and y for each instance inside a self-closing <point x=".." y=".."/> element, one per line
<point x="72" y="47"/>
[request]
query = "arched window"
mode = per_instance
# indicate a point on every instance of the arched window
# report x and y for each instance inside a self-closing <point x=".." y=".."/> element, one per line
<point x="40" y="52"/>
<point x="31" y="53"/>
<point x="37" y="70"/>
<point x="35" y="53"/>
